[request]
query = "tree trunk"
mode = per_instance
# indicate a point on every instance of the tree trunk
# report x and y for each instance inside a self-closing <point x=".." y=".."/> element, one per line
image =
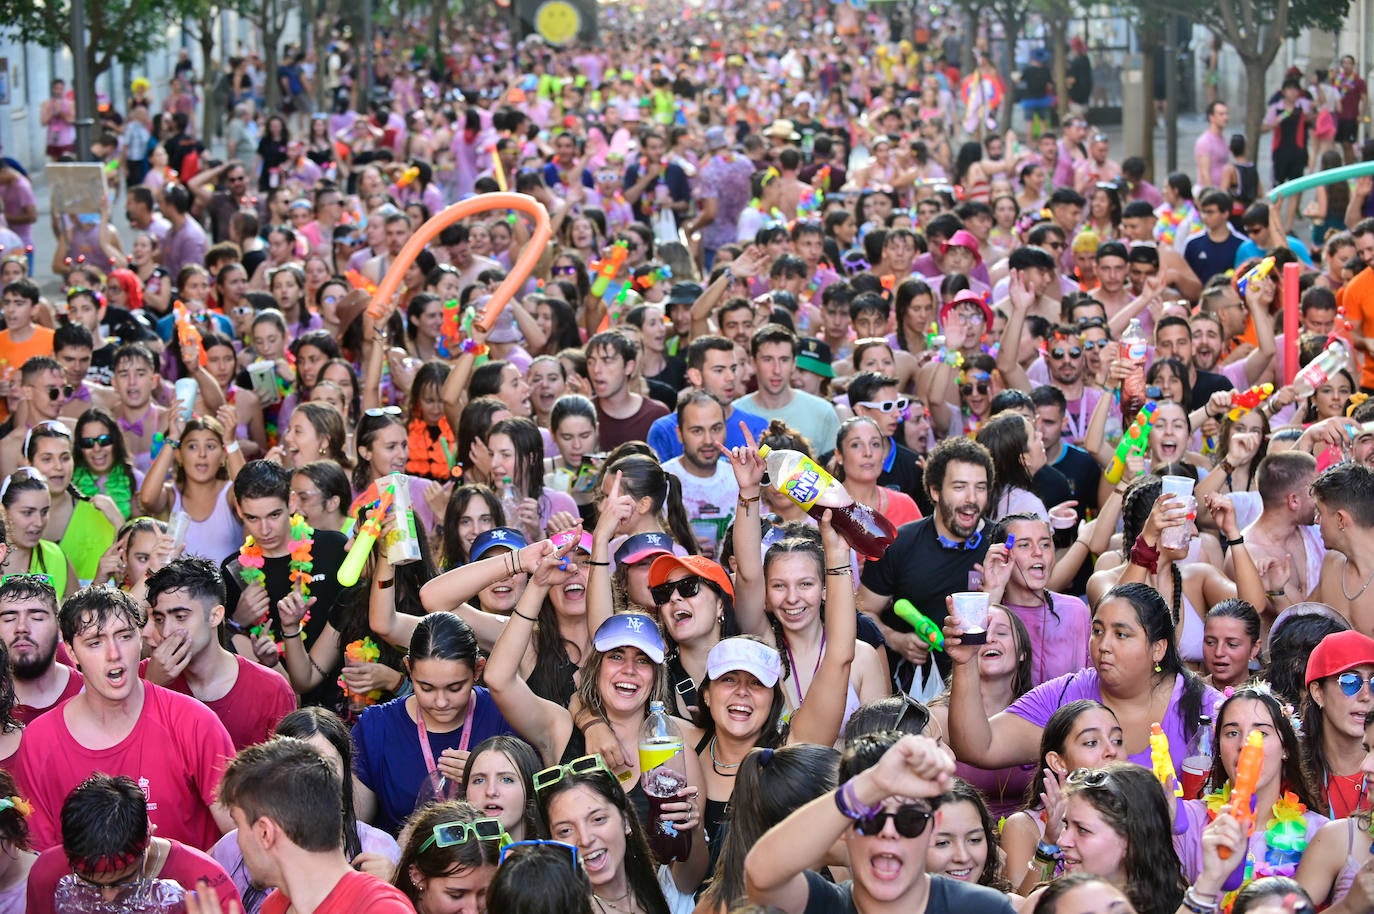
<point x="1256" y="93"/>
<point x="1059" y="40"/>
<point x="1011" y="27"/>
<point x="1149" y="38"/>
<point x="211" y="117"/>
<point x="271" y="34"/>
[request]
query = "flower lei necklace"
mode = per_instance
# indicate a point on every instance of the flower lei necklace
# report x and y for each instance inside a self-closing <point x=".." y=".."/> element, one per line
<point x="302" y="565"/>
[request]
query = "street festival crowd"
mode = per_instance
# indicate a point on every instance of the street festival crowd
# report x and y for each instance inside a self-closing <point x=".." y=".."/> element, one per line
<point x="866" y="504"/>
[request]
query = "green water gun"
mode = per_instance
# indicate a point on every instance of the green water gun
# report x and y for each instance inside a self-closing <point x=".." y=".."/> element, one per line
<point x="920" y="623"/>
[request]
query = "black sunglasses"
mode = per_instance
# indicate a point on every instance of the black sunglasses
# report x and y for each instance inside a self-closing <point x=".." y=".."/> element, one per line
<point x="689" y="587"/>
<point x="967" y="389"/>
<point x="104" y="440"/>
<point x="1095" y="344"/>
<point x="1058" y="352"/>
<point x="911" y="821"/>
<point x="60" y="393"/>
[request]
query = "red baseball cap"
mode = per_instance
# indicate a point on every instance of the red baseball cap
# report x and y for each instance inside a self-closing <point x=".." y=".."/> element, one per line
<point x="1339" y="652"/>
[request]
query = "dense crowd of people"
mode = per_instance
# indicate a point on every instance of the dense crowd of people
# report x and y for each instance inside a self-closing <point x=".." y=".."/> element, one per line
<point x="315" y="599"/>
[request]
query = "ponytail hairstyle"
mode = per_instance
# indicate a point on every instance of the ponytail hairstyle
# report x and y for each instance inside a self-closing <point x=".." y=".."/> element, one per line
<point x="643" y="477"/>
<point x="443" y="636"/>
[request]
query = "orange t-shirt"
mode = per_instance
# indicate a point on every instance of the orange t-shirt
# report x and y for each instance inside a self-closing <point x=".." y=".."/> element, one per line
<point x="13" y="355"/>
<point x="1357" y="298"/>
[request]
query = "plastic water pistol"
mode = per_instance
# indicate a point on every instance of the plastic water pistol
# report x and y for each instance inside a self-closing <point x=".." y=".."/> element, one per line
<point x="352" y="567"/>
<point x="920" y="623"/>
<point x="1133" y="443"/>
<point x="608" y="267"/>
<point x="188" y="334"/>
<point x="408" y="177"/>
<point x="1247" y="400"/>
<point x="364" y="650"/>
<point x="451" y="330"/>
<point x="1254" y="274"/>
<point x="1162" y="762"/>
<point x="1243" y="786"/>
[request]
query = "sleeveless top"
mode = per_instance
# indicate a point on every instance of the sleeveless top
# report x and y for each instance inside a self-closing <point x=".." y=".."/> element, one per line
<point x="216" y="537"/>
<point x="1190" y="637"/>
<point x="1248" y="177"/>
<point x="87" y="537"/>
<point x="47" y="558"/>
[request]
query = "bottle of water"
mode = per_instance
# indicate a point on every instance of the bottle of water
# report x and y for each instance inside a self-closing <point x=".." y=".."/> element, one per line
<point x="1316" y="372"/>
<point x="510" y="503"/>
<point x="1133" y="386"/>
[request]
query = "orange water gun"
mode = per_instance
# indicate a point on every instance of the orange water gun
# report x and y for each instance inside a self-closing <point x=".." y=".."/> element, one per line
<point x="364" y="650"/>
<point x="1246" y="400"/>
<point x="188" y="334"/>
<point x="451" y="331"/>
<point x="607" y="267"/>
<point x="359" y="281"/>
<point x="1243" y="786"/>
<point x="408" y="177"/>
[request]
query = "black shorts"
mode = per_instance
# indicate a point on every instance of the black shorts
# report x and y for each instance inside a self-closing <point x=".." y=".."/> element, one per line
<point x="1347" y="131"/>
<point x="1288" y="168"/>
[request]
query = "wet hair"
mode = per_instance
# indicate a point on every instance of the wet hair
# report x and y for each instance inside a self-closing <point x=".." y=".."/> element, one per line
<point x="1294" y="774"/>
<point x="1056" y="889"/>
<point x="443" y="636"/>
<point x="369" y="427"/>
<point x="640" y="869"/>
<point x="769" y="786"/>
<point x="1348" y="487"/>
<point x="303" y="723"/>
<point x="961" y="791"/>
<point x="1236" y="608"/>
<point x="570" y="405"/>
<point x="1132" y="804"/>
<point x="198" y="576"/>
<point x="474" y="423"/>
<point x="262" y="479"/>
<point x="105" y="823"/>
<point x="435" y="861"/>
<point x="898" y="713"/>
<point x="1006" y="437"/>
<point x="94" y="606"/>
<point x="1290" y="644"/>
<point x="528" y="471"/>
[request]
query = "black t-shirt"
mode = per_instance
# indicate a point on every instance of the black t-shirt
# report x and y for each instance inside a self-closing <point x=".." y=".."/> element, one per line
<point x="946" y="896"/>
<point x="917" y="567"/>
<point x="906" y="476"/>
<point x="1207" y="383"/>
<point x="674" y="375"/>
<point x="1083" y="475"/>
<point x="327" y="554"/>
<point x="1051" y="486"/>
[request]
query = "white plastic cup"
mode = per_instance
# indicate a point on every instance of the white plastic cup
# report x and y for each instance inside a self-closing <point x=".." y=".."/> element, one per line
<point x="1063" y="518"/>
<point x="177" y="526"/>
<point x="1178" y="486"/>
<point x="559" y="481"/>
<point x="186" y="391"/>
<point x="973" y="609"/>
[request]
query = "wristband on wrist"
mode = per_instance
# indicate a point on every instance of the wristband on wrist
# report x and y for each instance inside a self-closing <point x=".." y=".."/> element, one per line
<point x="1047" y="850"/>
<point x="1273" y="594"/>
<point x="231" y="448"/>
<point x="525" y="617"/>
<point x="295" y="634"/>
<point x="597" y="564"/>
<point x="1144" y="555"/>
<point x="847" y="802"/>
<point x="383" y="585"/>
<point x="1238" y="541"/>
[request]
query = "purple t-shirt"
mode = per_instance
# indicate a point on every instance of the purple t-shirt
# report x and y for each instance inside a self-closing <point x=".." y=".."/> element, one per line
<point x="15" y="196"/>
<point x="1039" y="704"/>
<point x="1217" y="152"/>
<point x="1192" y="817"/>
<point x="1059" y="639"/>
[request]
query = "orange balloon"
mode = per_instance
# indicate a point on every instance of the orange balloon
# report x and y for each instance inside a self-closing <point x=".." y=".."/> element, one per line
<point x="519" y="271"/>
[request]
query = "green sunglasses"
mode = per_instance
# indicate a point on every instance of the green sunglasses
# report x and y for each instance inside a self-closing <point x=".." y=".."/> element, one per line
<point x="587" y="764"/>
<point x="450" y="833"/>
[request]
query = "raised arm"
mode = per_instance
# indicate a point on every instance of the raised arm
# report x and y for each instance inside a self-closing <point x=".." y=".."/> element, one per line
<point x="600" y="593"/>
<point x="820" y="717"/>
<point x="748" y="538"/>
<point x="997" y="742"/>
<point x="1022" y="298"/>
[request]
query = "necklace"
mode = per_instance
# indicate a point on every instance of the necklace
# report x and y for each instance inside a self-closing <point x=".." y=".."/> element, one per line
<point x="1356" y="595"/>
<point x="613" y="904"/>
<point x="729" y="770"/>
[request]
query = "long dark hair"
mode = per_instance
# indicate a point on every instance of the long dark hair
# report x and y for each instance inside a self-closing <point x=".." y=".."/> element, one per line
<point x="1055" y="738"/>
<point x="525" y="761"/>
<point x="369" y="427"/>
<point x="122" y="462"/>
<point x="1294" y="774"/>
<point x="1006" y="437"/>
<point x="644" y="477"/>
<point x="473" y="425"/>
<point x="1154" y="616"/>
<point x="1130" y="801"/>
<point x="961" y="791"/>
<point x="303" y="723"/>
<point x="640" y="870"/>
<point x="1136" y="506"/>
<point x="770" y="785"/>
<point x="453" y="553"/>
<point x="528" y="473"/>
<point x="907" y="293"/>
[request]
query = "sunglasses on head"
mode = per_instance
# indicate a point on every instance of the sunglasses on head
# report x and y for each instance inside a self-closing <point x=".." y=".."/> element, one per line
<point x="689" y="587"/>
<point x="449" y="834"/>
<point x="1351" y="682"/>
<point x="104" y="440"/>
<point x="1095" y="778"/>
<point x="534" y="842"/>
<point x="378" y="411"/>
<point x="587" y="764"/>
<point x="32" y="579"/>
<point x="910" y="820"/>
<point x="1058" y="352"/>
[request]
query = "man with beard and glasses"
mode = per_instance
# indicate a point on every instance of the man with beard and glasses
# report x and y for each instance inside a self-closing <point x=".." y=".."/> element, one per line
<point x="931" y="559"/>
<point x="28" y="626"/>
<point x="709" y="489"/>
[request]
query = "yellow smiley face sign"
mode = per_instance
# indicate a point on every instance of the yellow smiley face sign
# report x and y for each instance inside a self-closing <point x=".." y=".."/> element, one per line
<point x="557" y="21"/>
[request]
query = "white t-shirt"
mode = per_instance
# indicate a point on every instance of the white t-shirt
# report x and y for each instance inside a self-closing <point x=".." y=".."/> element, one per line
<point x="710" y="503"/>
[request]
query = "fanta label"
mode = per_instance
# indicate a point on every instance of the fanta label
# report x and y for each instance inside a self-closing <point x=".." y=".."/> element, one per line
<point x="806" y="484"/>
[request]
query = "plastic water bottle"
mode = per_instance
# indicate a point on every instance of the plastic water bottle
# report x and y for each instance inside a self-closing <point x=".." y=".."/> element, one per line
<point x="1133" y="386"/>
<point x="663" y="772"/>
<point x="1318" y="371"/>
<point x="510" y="503"/>
<point x="1197" y="765"/>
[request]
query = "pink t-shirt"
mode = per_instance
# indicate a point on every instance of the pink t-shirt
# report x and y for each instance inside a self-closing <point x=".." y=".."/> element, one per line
<point x="1217" y="153"/>
<point x="176" y="752"/>
<point x="255" y="705"/>
<point x="185" y="866"/>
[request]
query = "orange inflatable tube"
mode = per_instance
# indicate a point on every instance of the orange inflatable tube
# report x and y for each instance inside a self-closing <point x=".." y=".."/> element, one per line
<point x="520" y="270"/>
